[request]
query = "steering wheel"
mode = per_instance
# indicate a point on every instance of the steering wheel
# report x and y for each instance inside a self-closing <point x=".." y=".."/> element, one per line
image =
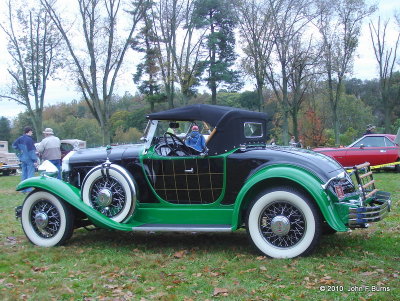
<point x="177" y="144"/>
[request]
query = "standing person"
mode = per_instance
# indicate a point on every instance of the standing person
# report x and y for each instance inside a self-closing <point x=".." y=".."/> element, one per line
<point x="26" y="153"/>
<point x="196" y="140"/>
<point x="300" y="143"/>
<point x="272" y="141"/>
<point x="370" y="129"/>
<point x="49" y="148"/>
<point x="292" y="141"/>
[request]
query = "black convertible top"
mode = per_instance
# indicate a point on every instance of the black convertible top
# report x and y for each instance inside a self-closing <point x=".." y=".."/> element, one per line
<point x="228" y="122"/>
<point x="212" y="114"/>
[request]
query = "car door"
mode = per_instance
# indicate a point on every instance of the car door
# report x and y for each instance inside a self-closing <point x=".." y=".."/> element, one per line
<point x="186" y="180"/>
<point x="372" y="149"/>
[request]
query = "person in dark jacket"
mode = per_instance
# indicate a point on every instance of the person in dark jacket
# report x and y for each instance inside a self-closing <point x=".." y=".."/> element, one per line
<point x="196" y="140"/>
<point x="26" y="153"/>
<point x="370" y="129"/>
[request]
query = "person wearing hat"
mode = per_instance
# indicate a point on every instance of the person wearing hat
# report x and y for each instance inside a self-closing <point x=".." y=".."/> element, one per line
<point x="49" y="149"/>
<point x="196" y="140"/>
<point x="26" y="153"/>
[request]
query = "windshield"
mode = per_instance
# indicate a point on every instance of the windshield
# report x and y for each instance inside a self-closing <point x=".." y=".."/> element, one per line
<point x="156" y="129"/>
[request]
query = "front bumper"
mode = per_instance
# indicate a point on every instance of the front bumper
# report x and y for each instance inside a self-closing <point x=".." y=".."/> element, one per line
<point x="378" y="208"/>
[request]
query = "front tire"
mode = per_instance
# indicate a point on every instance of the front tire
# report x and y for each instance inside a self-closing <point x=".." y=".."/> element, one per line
<point x="397" y="166"/>
<point x="46" y="220"/>
<point x="283" y="223"/>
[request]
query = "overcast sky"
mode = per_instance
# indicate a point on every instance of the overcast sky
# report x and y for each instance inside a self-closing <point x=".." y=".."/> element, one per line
<point x="365" y="66"/>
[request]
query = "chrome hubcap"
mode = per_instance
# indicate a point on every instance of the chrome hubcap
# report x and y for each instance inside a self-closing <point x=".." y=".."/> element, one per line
<point x="105" y="197"/>
<point x="280" y="225"/>
<point x="41" y="220"/>
<point x="45" y="218"/>
<point x="108" y="196"/>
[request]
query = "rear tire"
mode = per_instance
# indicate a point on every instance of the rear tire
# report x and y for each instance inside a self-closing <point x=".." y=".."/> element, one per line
<point x="283" y="223"/>
<point x="327" y="230"/>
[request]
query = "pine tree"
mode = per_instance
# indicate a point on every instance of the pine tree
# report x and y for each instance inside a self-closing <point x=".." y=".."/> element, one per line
<point x="218" y="17"/>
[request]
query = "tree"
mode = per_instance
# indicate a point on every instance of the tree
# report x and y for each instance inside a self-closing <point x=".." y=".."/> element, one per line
<point x="339" y="23"/>
<point x="147" y="74"/>
<point x="289" y="19"/>
<point x="165" y="25"/>
<point x="187" y="60"/>
<point x="97" y="65"/>
<point x="218" y="17"/>
<point x="302" y="71"/>
<point x="34" y="46"/>
<point x="386" y="58"/>
<point x="254" y="22"/>
<point x="5" y="129"/>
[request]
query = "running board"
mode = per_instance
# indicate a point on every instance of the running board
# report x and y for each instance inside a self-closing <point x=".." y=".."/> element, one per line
<point x="182" y="228"/>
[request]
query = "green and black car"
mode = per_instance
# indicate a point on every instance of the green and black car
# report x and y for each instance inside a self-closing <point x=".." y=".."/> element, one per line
<point x="285" y="197"/>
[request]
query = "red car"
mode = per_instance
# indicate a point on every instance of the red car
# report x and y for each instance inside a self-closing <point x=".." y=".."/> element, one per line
<point x="376" y="149"/>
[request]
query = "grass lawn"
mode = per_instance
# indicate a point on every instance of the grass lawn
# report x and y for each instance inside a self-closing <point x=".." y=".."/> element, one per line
<point x="109" y="265"/>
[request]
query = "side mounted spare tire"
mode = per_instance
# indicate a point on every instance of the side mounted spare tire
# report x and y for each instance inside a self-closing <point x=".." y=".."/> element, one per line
<point x="109" y="188"/>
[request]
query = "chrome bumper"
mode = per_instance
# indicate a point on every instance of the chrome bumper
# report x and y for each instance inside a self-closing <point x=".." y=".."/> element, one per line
<point x="360" y="217"/>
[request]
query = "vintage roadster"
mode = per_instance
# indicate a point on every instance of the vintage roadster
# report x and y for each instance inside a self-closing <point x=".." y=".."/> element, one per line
<point x="285" y="197"/>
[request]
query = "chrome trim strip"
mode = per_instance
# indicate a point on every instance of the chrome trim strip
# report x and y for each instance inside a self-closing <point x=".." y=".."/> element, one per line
<point x="182" y="228"/>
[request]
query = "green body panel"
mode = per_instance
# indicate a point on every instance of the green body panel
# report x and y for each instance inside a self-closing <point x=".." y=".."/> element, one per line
<point x="144" y="213"/>
<point x="151" y="154"/>
<point x="72" y="196"/>
<point x="182" y="214"/>
<point x="302" y="177"/>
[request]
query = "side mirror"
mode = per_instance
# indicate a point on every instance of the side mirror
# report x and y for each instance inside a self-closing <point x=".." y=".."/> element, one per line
<point x="48" y="169"/>
<point x="362" y="146"/>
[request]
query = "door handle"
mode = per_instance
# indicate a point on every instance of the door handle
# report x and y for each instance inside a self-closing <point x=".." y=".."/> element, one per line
<point x="189" y="170"/>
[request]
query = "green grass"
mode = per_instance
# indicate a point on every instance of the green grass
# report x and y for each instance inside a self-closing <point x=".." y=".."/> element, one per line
<point x="108" y="265"/>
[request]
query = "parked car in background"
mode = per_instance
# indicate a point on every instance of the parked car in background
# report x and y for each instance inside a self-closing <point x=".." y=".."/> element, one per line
<point x="376" y="149"/>
<point x="286" y="197"/>
<point x="9" y="162"/>
<point x="68" y="145"/>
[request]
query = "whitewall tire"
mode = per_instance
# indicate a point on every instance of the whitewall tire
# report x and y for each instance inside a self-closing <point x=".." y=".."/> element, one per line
<point x="46" y="220"/>
<point x="283" y="223"/>
<point x="110" y="190"/>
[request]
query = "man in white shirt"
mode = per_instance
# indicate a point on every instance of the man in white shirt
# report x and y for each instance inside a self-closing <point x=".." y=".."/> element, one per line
<point x="49" y="148"/>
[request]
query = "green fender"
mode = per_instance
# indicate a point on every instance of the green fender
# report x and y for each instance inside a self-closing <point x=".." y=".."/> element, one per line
<point x="72" y="195"/>
<point x="308" y="181"/>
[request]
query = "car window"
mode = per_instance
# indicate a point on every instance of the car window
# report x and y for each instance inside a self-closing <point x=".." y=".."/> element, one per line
<point x="389" y="142"/>
<point x="66" y="147"/>
<point x="182" y="128"/>
<point x="253" y="129"/>
<point x="371" y="142"/>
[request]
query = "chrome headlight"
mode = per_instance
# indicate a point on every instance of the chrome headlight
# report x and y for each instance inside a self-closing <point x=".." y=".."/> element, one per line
<point x="48" y="169"/>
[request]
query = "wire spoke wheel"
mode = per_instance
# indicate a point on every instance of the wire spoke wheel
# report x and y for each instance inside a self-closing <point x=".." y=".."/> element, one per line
<point x="108" y="196"/>
<point x="282" y="224"/>
<point x="110" y="190"/>
<point x="45" y="219"/>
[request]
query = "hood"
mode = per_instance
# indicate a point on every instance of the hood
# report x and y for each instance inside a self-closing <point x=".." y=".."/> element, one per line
<point x="326" y="149"/>
<point x="99" y="154"/>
